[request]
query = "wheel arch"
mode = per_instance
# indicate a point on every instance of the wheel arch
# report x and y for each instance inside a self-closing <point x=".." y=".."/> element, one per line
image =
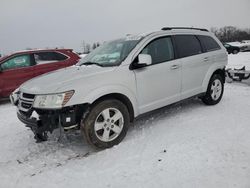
<point x="218" y="70"/>
<point x="121" y="97"/>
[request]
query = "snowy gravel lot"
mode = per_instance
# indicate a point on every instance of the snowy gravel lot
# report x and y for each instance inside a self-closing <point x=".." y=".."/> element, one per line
<point x="183" y="145"/>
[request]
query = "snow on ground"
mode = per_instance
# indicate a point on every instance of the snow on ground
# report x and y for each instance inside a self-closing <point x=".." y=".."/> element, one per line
<point x="183" y="145"/>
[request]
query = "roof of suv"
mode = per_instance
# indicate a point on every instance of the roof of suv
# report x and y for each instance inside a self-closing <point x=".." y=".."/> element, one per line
<point x="187" y="28"/>
<point x="184" y="30"/>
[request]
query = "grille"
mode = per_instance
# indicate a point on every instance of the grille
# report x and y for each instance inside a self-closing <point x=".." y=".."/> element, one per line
<point x="28" y="96"/>
<point x="26" y="101"/>
<point x="26" y="105"/>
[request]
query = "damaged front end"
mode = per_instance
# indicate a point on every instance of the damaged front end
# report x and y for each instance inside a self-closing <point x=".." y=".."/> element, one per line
<point x="42" y="121"/>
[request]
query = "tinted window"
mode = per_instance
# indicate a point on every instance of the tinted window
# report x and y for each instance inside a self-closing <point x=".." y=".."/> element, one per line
<point x="208" y="43"/>
<point x="187" y="45"/>
<point x="161" y="50"/>
<point x="16" y="62"/>
<point x="48" y="57"/>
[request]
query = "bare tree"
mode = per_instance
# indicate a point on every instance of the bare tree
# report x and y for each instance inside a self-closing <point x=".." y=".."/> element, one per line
<point x="87" y="48"/>
<point x="231" y="33"/>
<point x="94" y="46"/>
<point x="83" y="46"/>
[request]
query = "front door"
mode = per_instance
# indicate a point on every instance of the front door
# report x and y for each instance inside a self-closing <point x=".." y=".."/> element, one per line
<point x="158" y="84"/>
<point x="14" y="72"/>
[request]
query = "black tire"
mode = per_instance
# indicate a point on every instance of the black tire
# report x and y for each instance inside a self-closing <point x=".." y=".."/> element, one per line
<point x="41" y="137"/>
<point x="88" y="123"/>
<point x="208" y="99"/>
<point x="235" y="51"/>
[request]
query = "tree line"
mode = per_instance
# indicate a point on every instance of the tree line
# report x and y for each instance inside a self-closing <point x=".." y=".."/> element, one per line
<point x="224" y="34"/>
<point x="231" y="33"/>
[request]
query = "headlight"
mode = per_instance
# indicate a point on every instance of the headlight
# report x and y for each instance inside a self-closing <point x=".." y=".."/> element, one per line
<point x="52" y="100"/>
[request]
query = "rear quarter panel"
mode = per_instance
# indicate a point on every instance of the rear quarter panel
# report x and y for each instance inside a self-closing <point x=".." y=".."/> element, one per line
<point x="220" y="59"/>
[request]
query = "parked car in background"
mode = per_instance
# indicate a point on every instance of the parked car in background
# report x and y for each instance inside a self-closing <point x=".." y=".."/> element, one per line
<point x="22" y="66"/>
<point x="245" y="45"/>
<point x="232" y="49"/>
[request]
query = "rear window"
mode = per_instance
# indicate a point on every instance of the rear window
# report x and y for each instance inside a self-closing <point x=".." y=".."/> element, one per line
<point x="48" y="57"/>
<point x="187" y="45"/>
<point x="208" y="43"/>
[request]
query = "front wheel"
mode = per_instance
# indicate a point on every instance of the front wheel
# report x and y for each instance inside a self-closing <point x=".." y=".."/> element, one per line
<point x="214" y="91"/>
<point x="106" y="124"/>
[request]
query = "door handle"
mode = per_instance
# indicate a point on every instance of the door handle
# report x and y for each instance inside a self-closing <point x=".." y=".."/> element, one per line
<point x="173" y="67"/>
<point x="206" y="59"/>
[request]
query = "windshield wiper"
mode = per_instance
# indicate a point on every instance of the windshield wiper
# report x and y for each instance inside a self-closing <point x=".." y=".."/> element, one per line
<point x="92" y="63"/>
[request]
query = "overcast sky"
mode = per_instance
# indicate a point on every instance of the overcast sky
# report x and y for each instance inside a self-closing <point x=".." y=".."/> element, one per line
<point x="52" y="23"/>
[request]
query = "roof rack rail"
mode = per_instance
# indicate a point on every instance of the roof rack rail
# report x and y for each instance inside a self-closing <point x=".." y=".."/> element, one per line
<point x="194" y="28"/>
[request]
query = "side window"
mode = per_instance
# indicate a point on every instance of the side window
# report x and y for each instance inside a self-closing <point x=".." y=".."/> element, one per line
<point x="187" y="45"/>
<point x="209" y="43"/>
<point x="48" y="57"/>
<point x="16" y="62"/>
<point x="161" y="50"/>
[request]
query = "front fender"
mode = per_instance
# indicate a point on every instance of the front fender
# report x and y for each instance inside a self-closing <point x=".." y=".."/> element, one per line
<point x="95" y="94"/>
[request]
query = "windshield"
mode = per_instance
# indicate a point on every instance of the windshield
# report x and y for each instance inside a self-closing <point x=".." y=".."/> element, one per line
<point x="111" y="53"/>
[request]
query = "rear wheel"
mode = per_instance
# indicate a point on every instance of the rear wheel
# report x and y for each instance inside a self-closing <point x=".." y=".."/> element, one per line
<point x="214" y="91"/>
<point x="106" y="124"/>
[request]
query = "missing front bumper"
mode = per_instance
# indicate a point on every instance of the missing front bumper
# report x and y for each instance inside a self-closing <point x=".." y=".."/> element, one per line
<point x="43" y="121"/>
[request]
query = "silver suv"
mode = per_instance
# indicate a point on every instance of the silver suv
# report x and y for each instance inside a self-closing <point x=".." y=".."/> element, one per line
<point x="122" y="79"/>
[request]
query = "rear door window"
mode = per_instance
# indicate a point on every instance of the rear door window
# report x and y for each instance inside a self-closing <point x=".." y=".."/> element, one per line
<point x="48" y="57"/>
<point x="16" y="62"/>
<point x="161" y="50"/>
<point x="187" y="45"/>
<point x="208" y="43"/>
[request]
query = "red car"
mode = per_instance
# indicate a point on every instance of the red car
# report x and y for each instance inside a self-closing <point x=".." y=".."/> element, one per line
<point x="22" y="66"/>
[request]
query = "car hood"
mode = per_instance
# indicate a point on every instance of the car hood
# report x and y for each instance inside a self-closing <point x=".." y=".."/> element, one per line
<point x="61" y="80"/>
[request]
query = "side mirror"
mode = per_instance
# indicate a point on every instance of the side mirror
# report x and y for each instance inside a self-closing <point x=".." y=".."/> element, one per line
<point x="144" y="59"/>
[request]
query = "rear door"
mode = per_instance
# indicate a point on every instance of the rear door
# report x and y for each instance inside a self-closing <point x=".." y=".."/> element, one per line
<point x="15" y="71"/>
<point x="49" y="61"/>
<point x="211" y="49"/>
<point x="194" y="63"/>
